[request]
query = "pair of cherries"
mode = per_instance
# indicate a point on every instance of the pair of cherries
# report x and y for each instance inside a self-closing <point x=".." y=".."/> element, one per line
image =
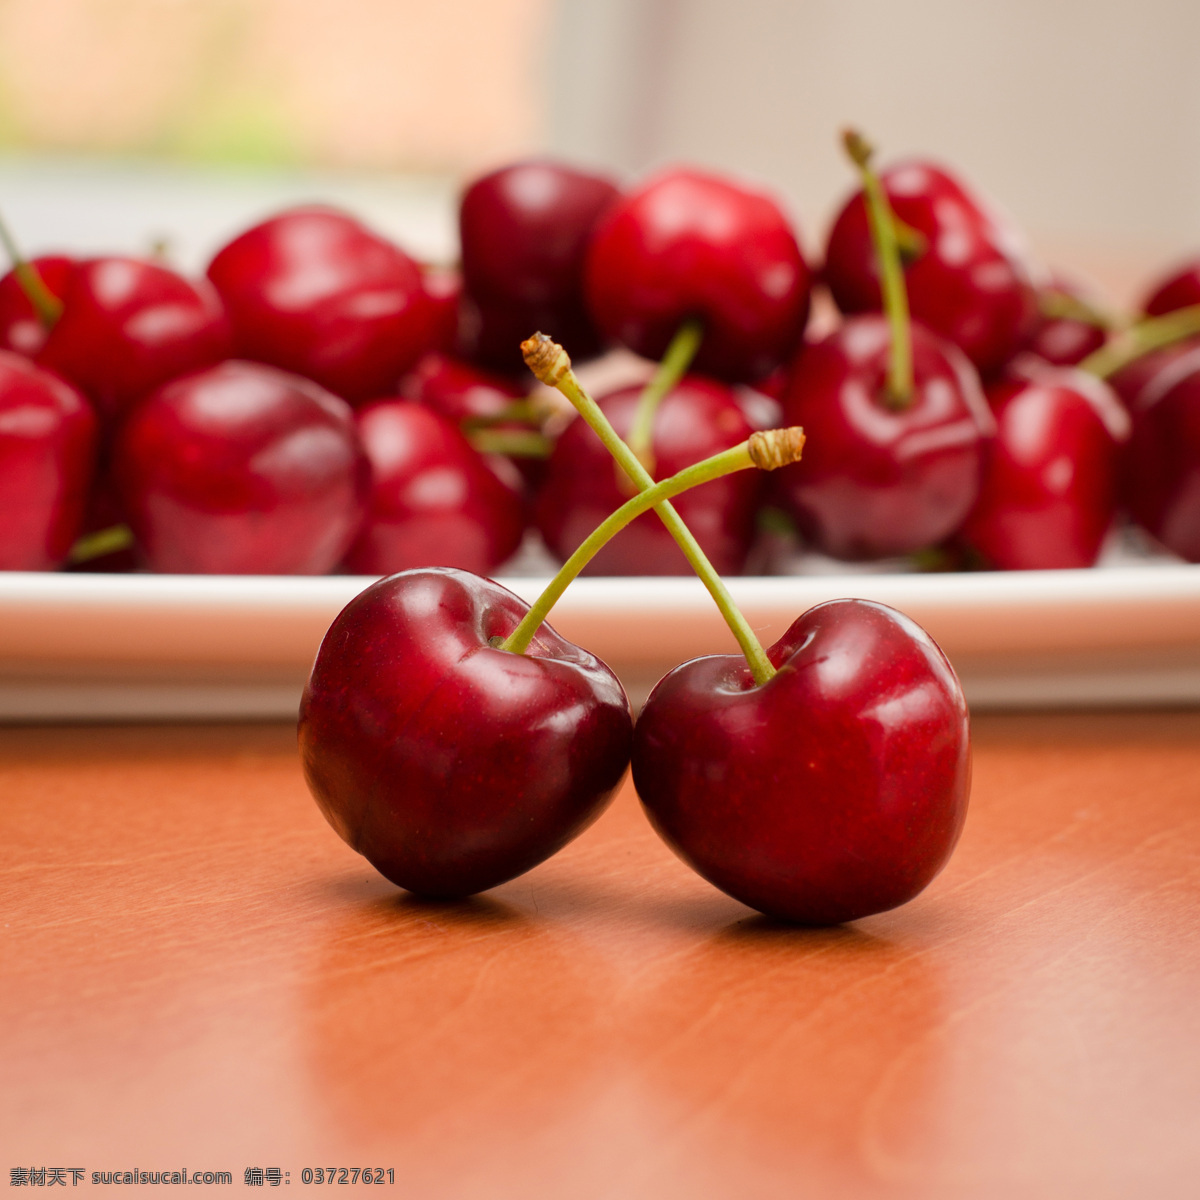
<point x="818" y="781"/>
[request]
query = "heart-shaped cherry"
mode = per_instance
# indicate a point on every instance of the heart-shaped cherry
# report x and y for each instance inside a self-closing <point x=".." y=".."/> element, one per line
<point x="692" y="246"/>
<point x="836" y="789"/>
<point x="314" y="291"/>
<point x="967" y="275"/>
<point x="241" y="469"/>
<point x="1049" y="491"/>
<point x="47" y="456"/>
<point x="451" y="764"/>
<point x="696" y="419"/>
<point x="128" y="325"/>
<point x="434" y="500"/>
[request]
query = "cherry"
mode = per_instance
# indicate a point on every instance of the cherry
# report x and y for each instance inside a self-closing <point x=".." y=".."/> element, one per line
<point x="1161" y="475"/>
<point x="879" y="479"/>
<point x="1050" y="488"/>
<point x="687" y="246"/>
<point x="695" y="419"/>
<point x="1071" y="322"/>
<point x="459" y="391"/>
<point x="434" y="500"/>
<point x="524" y="230"/>
<point x="1131" y="381"/>
<point x="314" y="291"/>
<point x="450" y="763"/>
<point x="835" y="789"/>
<point x="241" y="469"/>
<point x="443" y="292"/>
<point x="1179" y="289"/>
<point x="47" y="452"/>
<point x="22" y="329"/>
<point x="967" y="275"/>
<point x="129" y="325"/>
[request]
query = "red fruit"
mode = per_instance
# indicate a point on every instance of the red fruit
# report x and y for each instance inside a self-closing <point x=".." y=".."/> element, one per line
<point x="969" y="281"/>
<point x="835" y="790"/>
<point x="1134" y="379"/>
<point x="1180" y="289"/>
<point x="1161" y="477"/>
<point x="878" y="480"/>
<point x="1066" y="340"/>
<point x="450" y="764"/>
<point x="696" y="419"/>
<point x="457" y="390"/>
<point x="1050" y="488"/>
<point x="47" y="456"/>
<point x="242" y="469"/>
<point x="688" y="245"/>
<point x="434" y="500"/>
<point x="443" y="290"/>
<point x="21" y="329"/>
<point x="314" y="291"/>
<point x="128" y="326"/>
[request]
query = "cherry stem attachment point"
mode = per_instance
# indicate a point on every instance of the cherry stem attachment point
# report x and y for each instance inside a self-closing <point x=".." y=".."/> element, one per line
<point x="549" y="363"/>
<point x="46" y="305"/>
<point x="1152" y="333"/>
<point x="673" y="367"/>
<point x="891" y="270"/>
<point x="102" y="542"/>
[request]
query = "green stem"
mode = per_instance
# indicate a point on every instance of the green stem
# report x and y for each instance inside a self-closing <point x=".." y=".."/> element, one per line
<point x="1055" y="305"/>
<point x="46" y="305"/>
<point x="519" y="443"/>
<point x="549" y="362"/>
<point x="1151" y="334"/>
<point x="100" y="543"/>
<point x="670" y="371"/>
<point x="891" y="271"/>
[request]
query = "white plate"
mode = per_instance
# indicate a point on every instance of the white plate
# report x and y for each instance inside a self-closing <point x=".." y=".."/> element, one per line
<point x="145" y="646"/>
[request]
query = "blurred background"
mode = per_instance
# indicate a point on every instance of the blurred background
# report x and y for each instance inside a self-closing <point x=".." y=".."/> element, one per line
<point x="127" y="121"/>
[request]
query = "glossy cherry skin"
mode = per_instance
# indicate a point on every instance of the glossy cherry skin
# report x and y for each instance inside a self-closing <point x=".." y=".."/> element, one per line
<point x="1064" y="341"/>
<point x="450" y="764"/>
<point x="971" y="283"/>
<point x="1179" y="289"/>
<point x="314" y="291"/>
<point x="457" y="390"/>
<point x="698" y="418"/>
<point x="241" y="469"/>
<point x="835" y="790"/>
<point x="877" y="481"/>
<point x="1049" y="493"/>
<point x="21" y="329"/>
<point x="434" y="500"/>
<point x="128" y="325"/>
<point x="48" y="436"/>
<point x="443" y="294"/>
<point x="690" y="245"/>
<point x="1161" y="470"/>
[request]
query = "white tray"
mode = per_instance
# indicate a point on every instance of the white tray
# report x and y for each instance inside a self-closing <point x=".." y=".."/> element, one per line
<point x="95" y="647"/>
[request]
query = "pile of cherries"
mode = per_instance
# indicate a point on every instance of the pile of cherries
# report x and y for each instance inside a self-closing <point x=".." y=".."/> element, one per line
<point x="321" y="401"/>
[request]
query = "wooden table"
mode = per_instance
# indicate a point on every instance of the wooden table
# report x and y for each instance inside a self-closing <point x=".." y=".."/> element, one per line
<point x="197" y="973"/>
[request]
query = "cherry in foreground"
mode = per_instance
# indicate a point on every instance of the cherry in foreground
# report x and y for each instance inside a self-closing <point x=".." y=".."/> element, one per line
<point x="836" y="789"/>
<point x="452" y="764"/>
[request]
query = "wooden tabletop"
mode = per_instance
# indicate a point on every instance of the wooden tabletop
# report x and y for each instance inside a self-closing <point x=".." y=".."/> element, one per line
<point x="197" y="973"/>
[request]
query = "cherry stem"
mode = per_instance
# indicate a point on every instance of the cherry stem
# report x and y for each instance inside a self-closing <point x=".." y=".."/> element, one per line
<point x="671" y="370"/>
<point x="766" y="450"/>
<point x="1153" y="333"/>
<point x="1057" y="305"/>
<point x="519" y="412"/>
<point x="891" y="270"/>
<point x="550" y="363"/>
<point x="517" y="443"/>
<point x="100" y="543"/>
<point x="46" y="305"/>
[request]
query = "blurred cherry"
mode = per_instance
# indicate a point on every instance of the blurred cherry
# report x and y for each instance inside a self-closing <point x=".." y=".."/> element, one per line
<point x="21" y="328"/>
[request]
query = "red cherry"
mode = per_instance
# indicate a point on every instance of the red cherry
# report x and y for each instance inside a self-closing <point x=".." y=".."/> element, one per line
<point x="697" y="418"/>
<point x="434" y="500"/>
<point x="1161" y="475"/>
<point x="452" y="765"/>
<point x="688" y="245"/>
<point x="880" y="480"/>
<point x="47" y="455"/>
<point x="968" y="280"/>
<point x="836" y="789"/>
<point x="241" y="469"/>
<point x="443" y="290"/>
<point x="458" y="390"/>
<point x="1136" y="378"/>
<point x="21" y="329"/>
<point x="1179" y="289"/>
<point x="128" y="326"/>
<point x="1064" y="340"/>
<point x="1049" y="491"/>
<point x="314" y="291"/>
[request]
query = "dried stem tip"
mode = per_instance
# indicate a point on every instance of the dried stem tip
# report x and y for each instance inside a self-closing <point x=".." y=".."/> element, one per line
<point x="773" y="448"/>
<point x="857" y="147"/>
<point x="545" y="358"/>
